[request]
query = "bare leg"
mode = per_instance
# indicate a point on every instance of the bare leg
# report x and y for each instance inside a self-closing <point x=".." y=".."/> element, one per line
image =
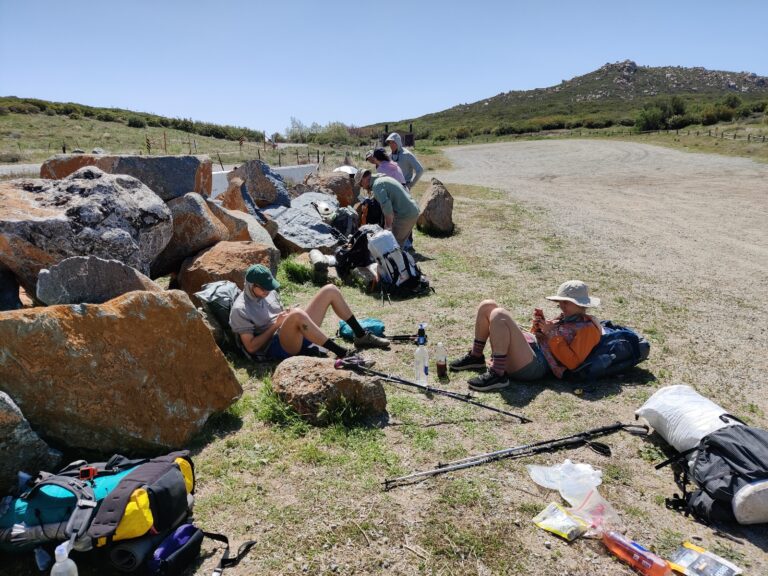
<point x="483" y="319"/>
<point x="297" y="326"/>
<point x="507" y="338"/>
<point x="327" y="297"/>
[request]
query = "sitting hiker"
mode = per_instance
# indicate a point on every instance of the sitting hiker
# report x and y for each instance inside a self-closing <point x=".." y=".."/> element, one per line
<point x="266" y="329"/>
<point x="398" y="206"/>
<point x="551" y="345"/>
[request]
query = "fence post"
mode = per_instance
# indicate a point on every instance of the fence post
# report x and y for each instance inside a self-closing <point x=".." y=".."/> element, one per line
<point x="318" y="156"/>
<point x="709" y="132"/>
<point x="749" y="137"/>
<point x="297" y="155"/>
<point x="259" y="153"/>
<point x="279" y="157"/>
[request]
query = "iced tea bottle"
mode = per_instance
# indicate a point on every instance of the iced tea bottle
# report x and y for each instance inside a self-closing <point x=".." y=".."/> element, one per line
<point x="642" y="560"/>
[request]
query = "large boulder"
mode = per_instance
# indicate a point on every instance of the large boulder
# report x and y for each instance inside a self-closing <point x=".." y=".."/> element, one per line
<point x="314" y="388"/>
<point x="244" y="226"/>
<point x="225" y="261"/>
<point x="140" y="373"/>
<point x="9" y="291"/>
<point x="436" y="210"/>
<point x="300" y="228"/>
<point x="42" y="222"/>
<point x="168" y="176"/>
<point x="337" y="184"/>
<point x="89" y="280"/>
<point x="21" y="449"/>
<point x="194" y="227"/>
<point x="265" y="186"/>
<point x="233" y="198"/>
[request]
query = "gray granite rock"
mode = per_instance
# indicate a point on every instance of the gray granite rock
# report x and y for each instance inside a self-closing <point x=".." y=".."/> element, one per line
<point x="21" y="449"/>
<point x="300" y="228"/>
<point x="90" y="212"/>
<point x="88" y="279"/>
<point x="263" y="185"/>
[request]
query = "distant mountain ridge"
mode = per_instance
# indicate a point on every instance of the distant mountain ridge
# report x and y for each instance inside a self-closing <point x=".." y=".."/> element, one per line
<point x="616" y="89"/>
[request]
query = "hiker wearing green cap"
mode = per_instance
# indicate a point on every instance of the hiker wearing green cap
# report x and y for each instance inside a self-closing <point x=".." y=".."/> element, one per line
<point x="267" y="329"/>
<point x="551" y="346"/>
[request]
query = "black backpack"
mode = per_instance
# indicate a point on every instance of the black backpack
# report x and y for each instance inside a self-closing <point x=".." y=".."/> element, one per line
<point x="353" y="254"/>
<point x="727" y="460"/>
<point x="620" y="348"/>
<point x="370" y="212"/>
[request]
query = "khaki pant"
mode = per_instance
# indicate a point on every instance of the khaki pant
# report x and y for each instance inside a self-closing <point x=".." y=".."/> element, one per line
<point x="401" y="228"/>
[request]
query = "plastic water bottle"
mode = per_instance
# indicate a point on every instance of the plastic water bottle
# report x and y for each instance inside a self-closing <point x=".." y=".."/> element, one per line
<point x="421" y="364"/>
<point x="441" y="361"/>
<point x="64" y="565"/>
<point x="642" y="560"/>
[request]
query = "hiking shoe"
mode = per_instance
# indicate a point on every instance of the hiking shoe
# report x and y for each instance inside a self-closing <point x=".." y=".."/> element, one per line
<point x="468" y="362"/>
<point x="370" y="340"/>
<point x="489" y="381"/>
<point x="356" y="360"/>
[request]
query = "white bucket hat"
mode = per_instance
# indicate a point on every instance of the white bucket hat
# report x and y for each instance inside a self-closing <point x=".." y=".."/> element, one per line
<point x="575" y="291"/>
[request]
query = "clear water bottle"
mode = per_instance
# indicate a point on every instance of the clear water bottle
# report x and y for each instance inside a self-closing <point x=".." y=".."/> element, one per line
<point x="64" y="565"/>
<point x="421" y="364"/>
<point x="441" y="361"/>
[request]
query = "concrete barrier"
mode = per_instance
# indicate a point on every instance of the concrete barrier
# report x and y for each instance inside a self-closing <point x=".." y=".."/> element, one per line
<point x="291" y="174"/>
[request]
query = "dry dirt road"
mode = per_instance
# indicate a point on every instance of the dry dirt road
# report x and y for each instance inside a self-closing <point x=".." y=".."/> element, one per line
<point x="692" y="228"/>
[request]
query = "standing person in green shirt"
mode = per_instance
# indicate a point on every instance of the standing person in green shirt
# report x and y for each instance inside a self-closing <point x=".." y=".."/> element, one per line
<point x="398" y="206"/>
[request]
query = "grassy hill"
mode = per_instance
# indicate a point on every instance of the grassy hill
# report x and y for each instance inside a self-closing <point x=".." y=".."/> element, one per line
<point x="615" y="94"/>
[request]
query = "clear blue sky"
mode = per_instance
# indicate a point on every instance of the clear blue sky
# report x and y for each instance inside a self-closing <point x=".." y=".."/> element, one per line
<point x="259" y="63"/>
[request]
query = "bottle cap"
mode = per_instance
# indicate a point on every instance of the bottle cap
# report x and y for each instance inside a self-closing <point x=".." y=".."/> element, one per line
<point x="62" y="552"/>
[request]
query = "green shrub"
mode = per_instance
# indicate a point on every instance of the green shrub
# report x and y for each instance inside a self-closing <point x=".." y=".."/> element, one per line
<point x="74" y="116"/>
<point x="462" y="132"/>
<point x="627" y="122"/>
<point x="574" y="123"/>
<point x="679" y="121"/>
<point x="552" y="122"/>
<point x="50" y="112"/>
<point x="650" y="118"/>
<point x="23" y="108"/>
<point x="106" y="117"/>
<point x="4" y="111"/>
<point x="759" y="106"/>
<point x="732" y="101"/>
<point x="136" y="122"/>
<point x="597" y="122"/>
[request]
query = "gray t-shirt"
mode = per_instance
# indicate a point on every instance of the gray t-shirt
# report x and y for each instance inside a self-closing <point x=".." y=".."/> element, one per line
<point x="252" y="315"/>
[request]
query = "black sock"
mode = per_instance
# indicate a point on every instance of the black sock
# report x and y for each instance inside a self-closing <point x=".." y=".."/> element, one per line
<point x="340" y="351"/>
<point x="355" y="325"/>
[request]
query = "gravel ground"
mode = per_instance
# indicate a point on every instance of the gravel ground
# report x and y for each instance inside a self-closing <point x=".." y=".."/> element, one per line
<point x="693" y="228"/>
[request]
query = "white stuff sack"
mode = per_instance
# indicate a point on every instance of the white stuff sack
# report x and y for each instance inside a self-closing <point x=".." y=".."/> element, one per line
<point x="384" y="248"/>
<point x="682" y="416"/>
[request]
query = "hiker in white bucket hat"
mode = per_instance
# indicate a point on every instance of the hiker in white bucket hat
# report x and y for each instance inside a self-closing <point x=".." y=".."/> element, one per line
<point x="551" y="346"/>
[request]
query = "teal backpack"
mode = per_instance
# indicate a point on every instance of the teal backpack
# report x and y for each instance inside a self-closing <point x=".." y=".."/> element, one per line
<point x="373" y="325"/>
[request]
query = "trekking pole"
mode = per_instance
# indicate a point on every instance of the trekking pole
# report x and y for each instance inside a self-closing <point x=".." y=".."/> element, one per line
<point x="573" y="441"/>
<point x="342" y="363"/>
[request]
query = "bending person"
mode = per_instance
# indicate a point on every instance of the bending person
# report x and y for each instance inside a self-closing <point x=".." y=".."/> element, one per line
<point x="378" y="157"/>
<point x="398" y="206"/>
<point x="551" y="346"/>
<point x="267" y="330"/>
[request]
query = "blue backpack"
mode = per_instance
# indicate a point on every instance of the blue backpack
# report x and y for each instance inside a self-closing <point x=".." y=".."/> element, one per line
<point x="620" y="348"/>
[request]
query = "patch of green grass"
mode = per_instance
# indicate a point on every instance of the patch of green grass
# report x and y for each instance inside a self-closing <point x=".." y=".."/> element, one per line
<point x="667" y="541"/>
<point x="461" y="492"/>
<point x="293" y="272"/>
<point x="618" y="474"/>
<point x="269" y="408"/>
<point x="422" y="438"/>
<point x="651" y="453"/>
<point x="729" y="553"/>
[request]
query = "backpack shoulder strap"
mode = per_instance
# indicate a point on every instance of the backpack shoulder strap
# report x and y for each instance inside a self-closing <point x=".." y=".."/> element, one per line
<point x="85" y="505"/>
<point x="227" y="560"/>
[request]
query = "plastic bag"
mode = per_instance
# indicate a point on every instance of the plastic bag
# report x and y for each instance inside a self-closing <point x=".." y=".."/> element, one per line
<point x="577" y="484"/>
<point x="556" y="519"/>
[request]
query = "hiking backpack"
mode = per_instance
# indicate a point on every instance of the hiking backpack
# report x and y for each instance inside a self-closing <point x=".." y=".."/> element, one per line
<point x="399" y="275"/>
<point x="218" y="298"/>
<point x="146" y="497"/>
<point x="620" y="348"/>
<point x="345" y="220"/>
<point x="370" y="212"/>
<point x="354" y="253"/>
<point x="730" y="468"/>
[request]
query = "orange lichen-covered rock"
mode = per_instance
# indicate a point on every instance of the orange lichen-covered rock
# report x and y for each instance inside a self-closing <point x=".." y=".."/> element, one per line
<point x="225" y="261"/>
<point x="140" y="373"/>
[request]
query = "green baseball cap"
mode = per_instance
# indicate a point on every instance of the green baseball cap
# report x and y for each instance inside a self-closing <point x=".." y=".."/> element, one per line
<point x="260" y="275"/>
